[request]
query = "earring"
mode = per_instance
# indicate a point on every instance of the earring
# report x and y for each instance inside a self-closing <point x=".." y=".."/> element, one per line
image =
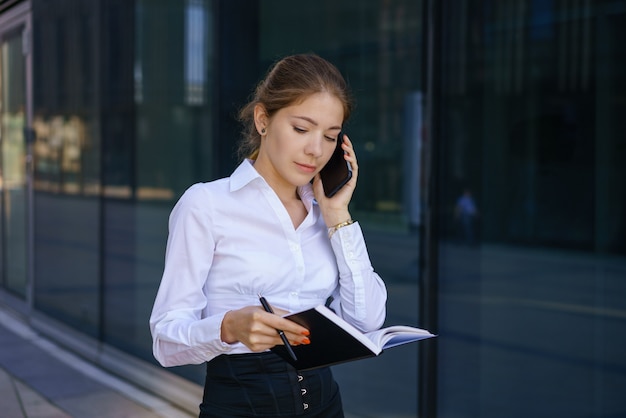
<point x="263" y="131"/>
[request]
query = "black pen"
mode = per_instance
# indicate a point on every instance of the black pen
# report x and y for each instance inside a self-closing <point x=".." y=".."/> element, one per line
<point x="283" y="337"/>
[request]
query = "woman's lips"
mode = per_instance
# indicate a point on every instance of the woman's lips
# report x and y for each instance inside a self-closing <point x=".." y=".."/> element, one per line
<point x="307" y="168"/>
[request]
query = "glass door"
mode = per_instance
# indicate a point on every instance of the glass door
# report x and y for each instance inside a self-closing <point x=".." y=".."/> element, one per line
<point x="14" y="154"/>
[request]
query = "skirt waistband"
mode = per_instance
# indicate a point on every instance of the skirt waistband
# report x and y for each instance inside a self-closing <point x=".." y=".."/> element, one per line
<point x="264" y="385"/>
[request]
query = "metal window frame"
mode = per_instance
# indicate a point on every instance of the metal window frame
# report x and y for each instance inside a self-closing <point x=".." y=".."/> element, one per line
<point x="429" y="257"/>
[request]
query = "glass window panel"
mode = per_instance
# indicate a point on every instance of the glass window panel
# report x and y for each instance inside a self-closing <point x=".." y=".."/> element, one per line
<point x="13" y="213"/>
<point x="169" y="149"/>
<point x="531" y="310"/>
<point x="66" y="165"/>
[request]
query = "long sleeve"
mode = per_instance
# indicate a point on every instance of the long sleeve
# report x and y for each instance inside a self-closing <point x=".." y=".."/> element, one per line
<point x="180" y="332"/>
<point x="362" y="293"/>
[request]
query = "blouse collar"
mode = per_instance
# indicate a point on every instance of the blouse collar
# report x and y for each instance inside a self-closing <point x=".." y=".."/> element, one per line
<point x="245" y="174"/>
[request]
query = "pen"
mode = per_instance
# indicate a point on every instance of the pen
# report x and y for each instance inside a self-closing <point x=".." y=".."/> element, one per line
<point x="283" y="337"/>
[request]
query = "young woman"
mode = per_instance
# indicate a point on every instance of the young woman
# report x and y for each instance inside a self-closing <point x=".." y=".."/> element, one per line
<point x="266" y="230"/>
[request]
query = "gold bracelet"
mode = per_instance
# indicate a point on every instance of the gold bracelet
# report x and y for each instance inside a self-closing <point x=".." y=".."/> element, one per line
<point x="334" y="229"/>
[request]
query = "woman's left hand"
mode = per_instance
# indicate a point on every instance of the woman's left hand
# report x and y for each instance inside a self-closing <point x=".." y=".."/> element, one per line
<point x="335" y="209"/>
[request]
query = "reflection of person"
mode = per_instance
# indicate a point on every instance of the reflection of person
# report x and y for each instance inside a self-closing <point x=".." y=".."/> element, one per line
<point x="267" y="230"/>
<point x="466" y="212"/>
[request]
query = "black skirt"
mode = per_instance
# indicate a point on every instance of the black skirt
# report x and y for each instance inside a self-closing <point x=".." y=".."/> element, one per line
<point x="264" y="385"/>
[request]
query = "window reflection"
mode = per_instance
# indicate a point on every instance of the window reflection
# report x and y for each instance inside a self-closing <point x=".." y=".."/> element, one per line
<point x="531" y="128"/>
<point x="58" y="155"/>
<point x="13" y="179"/>
<point x="12" y="175"/>
<point x="61" y="148"/>
<point x="196" y="51"/>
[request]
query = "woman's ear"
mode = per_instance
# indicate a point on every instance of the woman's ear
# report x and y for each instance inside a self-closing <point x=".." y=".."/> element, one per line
<point x="260" y="119"/>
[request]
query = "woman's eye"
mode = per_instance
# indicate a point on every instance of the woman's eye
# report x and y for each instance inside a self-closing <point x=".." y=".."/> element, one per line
<point x="331" y="138"/>
<point x="299" y="130"/>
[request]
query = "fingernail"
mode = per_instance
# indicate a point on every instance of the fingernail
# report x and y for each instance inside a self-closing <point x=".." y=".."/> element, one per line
<point x="306" y="341"/>
<point x="306" y="333"/>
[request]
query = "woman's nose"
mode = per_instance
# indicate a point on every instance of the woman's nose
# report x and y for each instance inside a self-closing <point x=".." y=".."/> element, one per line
<point x="314" y="145"/>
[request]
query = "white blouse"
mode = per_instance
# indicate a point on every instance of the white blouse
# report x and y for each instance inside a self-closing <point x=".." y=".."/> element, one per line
<point x="231" y="240"/>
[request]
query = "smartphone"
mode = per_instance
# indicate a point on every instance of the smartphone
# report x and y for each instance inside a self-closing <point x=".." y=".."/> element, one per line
<point x="337" y="172"/>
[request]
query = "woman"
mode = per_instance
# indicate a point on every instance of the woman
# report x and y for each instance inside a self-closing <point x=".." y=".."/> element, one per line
<point x="266" y="230"/>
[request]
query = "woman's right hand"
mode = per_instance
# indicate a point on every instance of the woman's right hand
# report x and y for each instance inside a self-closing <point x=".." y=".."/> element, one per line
<point x="256" y="329"/>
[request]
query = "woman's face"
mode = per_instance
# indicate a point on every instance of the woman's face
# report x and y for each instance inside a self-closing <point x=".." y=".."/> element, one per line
<point x="300" y="140"/>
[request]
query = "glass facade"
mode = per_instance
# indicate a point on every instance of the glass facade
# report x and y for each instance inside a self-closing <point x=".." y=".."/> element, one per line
<point x="491" y="186"/>
<point x="531" y="288"/>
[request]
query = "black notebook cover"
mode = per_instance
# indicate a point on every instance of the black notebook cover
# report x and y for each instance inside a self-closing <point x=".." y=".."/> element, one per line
<point x="330" y="343"/>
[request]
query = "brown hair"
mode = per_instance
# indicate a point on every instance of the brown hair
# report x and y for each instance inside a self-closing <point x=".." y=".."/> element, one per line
<point x="289" y="81"/>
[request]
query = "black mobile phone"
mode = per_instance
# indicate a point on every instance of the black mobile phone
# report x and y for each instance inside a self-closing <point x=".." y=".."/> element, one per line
<point x="337" y="172"/>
